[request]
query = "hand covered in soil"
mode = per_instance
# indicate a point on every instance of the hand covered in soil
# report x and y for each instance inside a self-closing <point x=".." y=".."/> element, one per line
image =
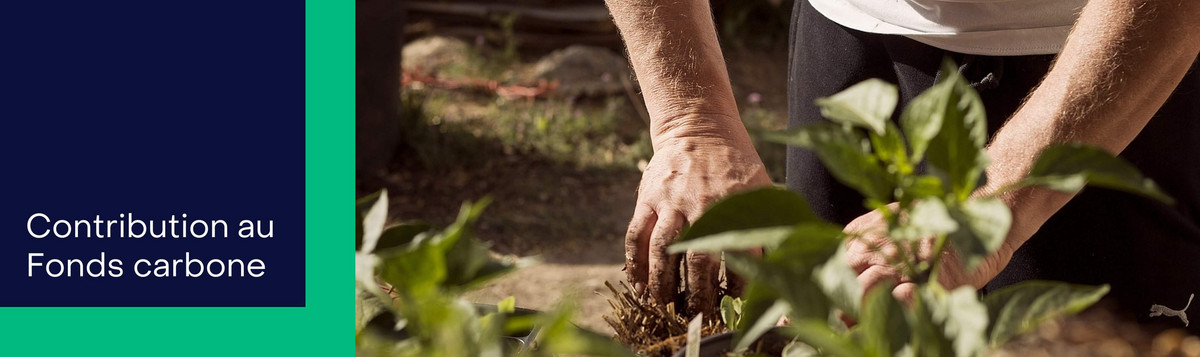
<point x="686" y="175"/>
<point x="875" y="258"/>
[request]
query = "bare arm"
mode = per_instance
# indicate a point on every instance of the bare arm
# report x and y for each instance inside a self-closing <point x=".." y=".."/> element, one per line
<point x="1119" y="65"/>
<point x="673" y="47"/>
<point x="701" y="149"/>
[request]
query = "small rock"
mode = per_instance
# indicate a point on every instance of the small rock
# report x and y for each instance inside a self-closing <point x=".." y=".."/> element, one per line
<point x="434" y="53"/>
<point x="584" y="71"/>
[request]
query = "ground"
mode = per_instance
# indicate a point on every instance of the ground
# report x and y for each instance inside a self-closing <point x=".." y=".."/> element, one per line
<point x="571" y="220"/>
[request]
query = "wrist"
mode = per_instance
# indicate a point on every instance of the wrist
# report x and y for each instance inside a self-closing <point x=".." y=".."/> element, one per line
<point x="1030" y="207"/>
<point x="700" y="129"/>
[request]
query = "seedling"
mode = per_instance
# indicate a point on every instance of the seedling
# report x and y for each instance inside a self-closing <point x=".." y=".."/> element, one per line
<point x="803" y="275"/>
<point x="410" y="277"/>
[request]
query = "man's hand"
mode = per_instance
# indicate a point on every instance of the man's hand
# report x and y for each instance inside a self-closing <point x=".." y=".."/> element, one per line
<point x="686" y="175"/>
<point x="701" y="149"/>
<point x="874" y="258"/>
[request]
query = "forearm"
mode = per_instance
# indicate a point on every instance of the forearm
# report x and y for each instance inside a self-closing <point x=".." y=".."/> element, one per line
<point x="673" y="47"/>
<point x="1119" y="65"/>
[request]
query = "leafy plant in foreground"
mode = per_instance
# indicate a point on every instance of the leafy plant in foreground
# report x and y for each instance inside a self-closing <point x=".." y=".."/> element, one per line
<point x="804" y="276"/>
<point x="409" y="277"/>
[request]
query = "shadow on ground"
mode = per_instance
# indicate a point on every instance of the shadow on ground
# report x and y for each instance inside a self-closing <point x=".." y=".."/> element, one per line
<point x="557" y="211"/>
<point x="573" y="219"/>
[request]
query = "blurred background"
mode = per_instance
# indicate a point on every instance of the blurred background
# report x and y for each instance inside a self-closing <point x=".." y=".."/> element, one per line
<point x="533" y="103"/>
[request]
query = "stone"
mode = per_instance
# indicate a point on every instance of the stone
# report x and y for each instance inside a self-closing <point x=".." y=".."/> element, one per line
<point x="434" y="53"/>
<point x="584" y="71"/>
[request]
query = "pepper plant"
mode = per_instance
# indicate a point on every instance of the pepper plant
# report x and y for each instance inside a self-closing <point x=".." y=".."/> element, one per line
<point x="921" y="176"/>
<point x="410" y="277"/>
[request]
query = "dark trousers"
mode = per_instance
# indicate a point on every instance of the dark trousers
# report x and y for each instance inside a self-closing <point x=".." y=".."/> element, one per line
<point x="1148" y="251"/>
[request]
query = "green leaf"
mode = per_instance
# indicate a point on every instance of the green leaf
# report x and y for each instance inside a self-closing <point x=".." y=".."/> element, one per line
<point x="761" y="325"/>
<point x="446" y="325"/>
<point x="957" y="150"/>
<point x="734" y="240"/>
<point x="461" y="228"/>
<point x="365" y="266"/>
<point x="882" y="322"/>
<point x="868" y="104"/>
<point x="839" y="282"/>
<point x="809" y="246"/>
<point x="521" y="324"/>
<point x="962" y="318"/>
<point x="464" y="260"/>
<point x="731" y="311"/>
<point x="983" y="226"/>
<point x="846" y="154"/>
<point x="507" y="306"/>
<point x="491" y="338"/>
<point x="372" y="221"/>
<point x="927" y="218"/>
<point x="1066" y="167"/>
<point x="417" y="270"/>
<point x="452" y="258"/>
<point x="468" y="263"/>
<point x="368" y="307"/>
<point x="889" y="148"/>
<point x="741" y="240"/>
<point x="799" y="349"/>
<point x="1023" y="306"/>
<point x="788" y="281"/>
<point x="757" y="298"/>
<point x="817" y="334"/>
<point x="399" y="235"/>
<point x="927" y="336"/>
<point x="558" y="336"/>
<point x="778" y="279"/>
<point x="759" y="208"/>
<point x="924" y="186"/>
<point x="922" y="118"/>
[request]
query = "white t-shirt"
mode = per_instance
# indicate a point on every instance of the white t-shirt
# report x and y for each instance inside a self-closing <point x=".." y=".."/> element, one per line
<point x="981" y="27"/>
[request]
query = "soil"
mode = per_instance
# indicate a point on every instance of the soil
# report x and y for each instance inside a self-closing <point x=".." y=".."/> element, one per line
<point x="571" y="219"/>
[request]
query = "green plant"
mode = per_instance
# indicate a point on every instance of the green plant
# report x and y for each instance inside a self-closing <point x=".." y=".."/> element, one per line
<point x="804" y="276"/>
<point x="409" y="277"/>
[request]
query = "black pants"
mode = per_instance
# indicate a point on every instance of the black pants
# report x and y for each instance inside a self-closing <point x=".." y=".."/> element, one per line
<point x="1149" y="252"/>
